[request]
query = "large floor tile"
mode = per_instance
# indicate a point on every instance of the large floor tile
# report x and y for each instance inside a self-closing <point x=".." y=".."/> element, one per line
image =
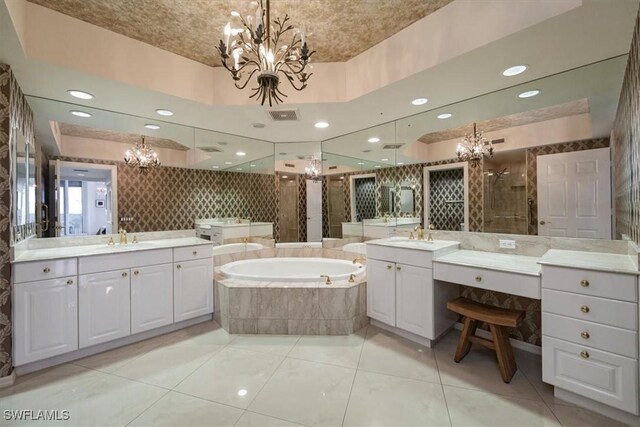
<point x="479" y="371"/>
<point x="378" y="399"/>
<point x="386" y="353"/>
<point x="176" y="409"/>
<point x="233" y="376"/>
<point x="167" y="366"/>
<point x="112" y="360"/>
<point x="572" y="416"/>
<point x="91" y="397"/>
<point x="478" y="408"/>
<point x="251" y="419"/>
<point x="206" y="333"/>
<point x="279" y="345"/>
<point x="336" y="350"/>
<point x="308" y="393"/>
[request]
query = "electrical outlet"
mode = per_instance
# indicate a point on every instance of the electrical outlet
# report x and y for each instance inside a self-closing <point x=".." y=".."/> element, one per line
<point x="507" y="244"/>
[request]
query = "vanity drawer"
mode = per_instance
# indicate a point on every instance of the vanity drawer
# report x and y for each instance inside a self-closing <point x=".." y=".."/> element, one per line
<point x="596" y="283"/>
<point x="43" y="270"/>
<point x="124" y="260"/>
<point x="415" y="257"/>
<point x="604" y="377"/>
<point x="594" y="309"/>
<point x="501" y="281"/>
<point x="192" y="252"/>
<point x="602" y="337"/>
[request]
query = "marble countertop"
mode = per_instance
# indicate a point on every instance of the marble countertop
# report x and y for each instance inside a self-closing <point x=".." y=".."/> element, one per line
<point x="493" y="261"/>
<point x="208" y="225"/>
<point x="104" y="249"/>
<point x="590" y="261"/>
<point x="404" y="242"/>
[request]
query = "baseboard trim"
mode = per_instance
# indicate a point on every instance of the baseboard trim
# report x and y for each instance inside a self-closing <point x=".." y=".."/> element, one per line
<point x="9" y="380"/>
<point x="535" y="349"/>
<point x="404" y="334"/>
<point x="600" y="408"/>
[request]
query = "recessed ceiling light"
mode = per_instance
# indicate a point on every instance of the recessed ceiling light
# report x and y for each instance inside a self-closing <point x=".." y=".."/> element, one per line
<point x="419" y="101"/>
<point x="384" y="160"/>
<point x="374" y="139"/>
<point x="238" y="169"/>
<point x="377" y="166"/>
<point x="240" y="153"/>
<point x="529" y="93"/>
<point x="361" y="163"/>
<point x="252" y="165"/>
<point x="80" y="113"/>
<point x="152" y="127"/>
<point x="164" y="112"/>
<point x="81" y="174"/>
<point x="514" y="71"/>
<point x="236" y="14"/>
<point x="80" y="94"/>
<point x="215" y="167"/>
<point x="228" y="163"/>
<point x="258" y="125"/>
<point x="399" y="163"/>
<point x="444" y="116"/>
<point x="342" y="177"/>
<point x="284" y="176"/>
<point x="322" y="125"/>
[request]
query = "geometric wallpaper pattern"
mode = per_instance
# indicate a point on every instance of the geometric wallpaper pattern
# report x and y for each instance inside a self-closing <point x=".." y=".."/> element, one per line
<point x="447" y="188"/>
<point x="626" y="147"/>
<point x="366" y="198"/>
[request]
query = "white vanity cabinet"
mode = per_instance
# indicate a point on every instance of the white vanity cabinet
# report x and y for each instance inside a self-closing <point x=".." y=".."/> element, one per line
<point x="151" y="297"/>
<point x="381" y="291"/>
<point x="192" y="282"/>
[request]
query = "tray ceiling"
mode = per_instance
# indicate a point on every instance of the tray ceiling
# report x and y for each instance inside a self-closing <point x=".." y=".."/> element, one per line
<point x="110" y="135"/>
<point x="339" y="29"/>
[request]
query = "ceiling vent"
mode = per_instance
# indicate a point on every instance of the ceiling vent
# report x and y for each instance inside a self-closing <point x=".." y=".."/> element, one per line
<point x="332" y="168"/>
<point x="284" y="115"/>
<point x="497" y="141"/>
<point x="391" y="146"/>
<point x="81" y="170"/>
<point x="211" y="150"/>
<point x="289" y="165"/>
<point x="308" y="157"/>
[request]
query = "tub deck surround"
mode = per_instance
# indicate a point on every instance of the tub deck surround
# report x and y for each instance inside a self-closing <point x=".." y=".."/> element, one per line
<point x="607" y="262"/>
<point x="292" y="270"/>
<point x="233" y="248"/>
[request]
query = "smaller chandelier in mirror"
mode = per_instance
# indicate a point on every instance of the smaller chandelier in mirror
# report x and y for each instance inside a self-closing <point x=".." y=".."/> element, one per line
<point x="314" y="170"/>
<point x="474" y="147"/>
<point x="142" y="156"/>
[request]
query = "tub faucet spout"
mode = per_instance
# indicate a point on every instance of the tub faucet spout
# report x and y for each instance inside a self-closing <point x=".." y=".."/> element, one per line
<point x="328" y="281"/>
<point x="360" y="258"/>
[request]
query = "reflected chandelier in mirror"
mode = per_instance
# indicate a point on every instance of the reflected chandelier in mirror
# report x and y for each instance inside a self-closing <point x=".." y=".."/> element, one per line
<point x="474" y="147"/>
<point x="142" y="156"/>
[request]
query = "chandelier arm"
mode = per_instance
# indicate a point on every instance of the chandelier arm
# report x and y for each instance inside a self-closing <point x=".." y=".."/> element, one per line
<point x="291" y="81"/>
<point x="242" y="86"/>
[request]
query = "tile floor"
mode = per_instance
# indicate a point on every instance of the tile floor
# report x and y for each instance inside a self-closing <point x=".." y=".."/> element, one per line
<point x="204" y="376"/>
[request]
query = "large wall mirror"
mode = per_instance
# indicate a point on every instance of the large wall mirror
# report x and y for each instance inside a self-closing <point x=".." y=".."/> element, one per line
<point x="23" y="166"/>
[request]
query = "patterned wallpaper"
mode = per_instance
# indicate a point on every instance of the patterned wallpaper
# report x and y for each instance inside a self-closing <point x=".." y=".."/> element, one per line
<point x="447" y="187"/>
<point x="626" y="147"/>
<point x="365" y="193"/>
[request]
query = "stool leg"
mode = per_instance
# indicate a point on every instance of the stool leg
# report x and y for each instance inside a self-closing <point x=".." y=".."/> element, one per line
<point x="504" y="354"/>
<point x="464" y="345"/>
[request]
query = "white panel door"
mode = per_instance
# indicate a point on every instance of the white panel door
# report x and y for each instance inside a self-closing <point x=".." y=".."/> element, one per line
<point x="151" y="297"/>
<point x="414" y="300"/>
<point x="104" y="312"/>
<point x="45" y="316"/>
<point x="314" y="211"/>
<point x="192" y="289"/>
<point x="574" y="194"/>
<point x="381" y="291"/>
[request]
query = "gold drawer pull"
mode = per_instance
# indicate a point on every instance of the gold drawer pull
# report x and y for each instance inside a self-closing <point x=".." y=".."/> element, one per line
<point x="584" y="354"/>
<point x="398" y="268"/>
<point x="584" y="309"/>
<point x="584" y="283"/>
<point x="136" y="272"/>
<point x="585" y="335"/>
<point x="46" y="270"/>
<point x="70" y="282"/>
<point x="388" y="267"/>
<point x="478" y="279"/>
<point x="195" y="252"/>
<point x="124" y="274"/>
<point x="178" y="266"/>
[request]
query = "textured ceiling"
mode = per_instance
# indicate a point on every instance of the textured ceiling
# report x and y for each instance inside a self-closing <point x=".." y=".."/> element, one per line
<point x="339" y="29"/>
<point x="110" y="135"/>
<point x="534" y="116"/>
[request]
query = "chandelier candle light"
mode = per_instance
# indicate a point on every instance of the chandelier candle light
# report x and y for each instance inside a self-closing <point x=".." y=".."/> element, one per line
<point x="474" y="147"/>
<point x="142" y="156"/>
<point x="255" y="51"/>
<point x="314" y="170"/>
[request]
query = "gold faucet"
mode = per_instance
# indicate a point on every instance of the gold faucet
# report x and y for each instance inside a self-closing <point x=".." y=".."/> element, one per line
<point x="429" y="236"/>
<point x="135" y="240"/>
<point x="238" y="220"/>
<point x="360" y="258"/>
<point x="123" y="236"/>
<point x="385" y="218"/>
<point x="352" y="278"/>
<point x="420" y="231"/>
<point x="328" y="281"/>
<point x="111" y="242"/>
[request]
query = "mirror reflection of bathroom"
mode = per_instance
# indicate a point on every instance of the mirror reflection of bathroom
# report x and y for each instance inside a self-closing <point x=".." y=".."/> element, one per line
<point x="387" y="200"/>
<point x="363" y="197"/>
<point x="446" y="198"/>
<point x="336" y="205"/>
<point x="20" y="179"/>
<point x="288" y="207"/>
<point x="407" y="199"/>
<point x="505" y="195"/>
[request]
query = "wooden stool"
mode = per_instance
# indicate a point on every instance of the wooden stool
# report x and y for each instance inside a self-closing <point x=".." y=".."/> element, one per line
<point x="498" y="320"/>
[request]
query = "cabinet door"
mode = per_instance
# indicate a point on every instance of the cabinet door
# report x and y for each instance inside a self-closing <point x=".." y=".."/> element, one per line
<point x="45" y="316"/>
<point x="414" y="300"/>
<point x="381" y="291"/>
<point x="151" y="297"/>
<point x="104" y="307"/>
<point x="192" y="289"/>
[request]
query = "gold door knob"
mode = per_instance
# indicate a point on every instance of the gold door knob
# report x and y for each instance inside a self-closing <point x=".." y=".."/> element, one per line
<point x="124" y="274"/>
<point x="398" y="268"/>
<point x="584" y="354"/>
<point x="542" y="222"/>
<point x="584" y="283"/>
<point x="70" y="282"/>
<point x="478" y="279"/>
<point x="195" y="252"/>
<point x="46" y="270"/>
<point x="585" y="335"/>
<point x="584" y="309"/>
<point x="388" y="267"/>
<point x="135" y="273"/>
<point x="178" y="266"/>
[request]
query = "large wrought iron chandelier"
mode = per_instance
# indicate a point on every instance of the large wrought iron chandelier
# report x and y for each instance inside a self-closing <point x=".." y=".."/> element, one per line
<point x="474" y="147"/>
<point x="142" y="156"/>
<point x="313" y="171"/>
<point x="257" y="49"/>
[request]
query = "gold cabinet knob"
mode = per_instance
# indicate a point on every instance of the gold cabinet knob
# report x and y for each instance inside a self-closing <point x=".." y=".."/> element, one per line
<point x="542" y="222"/>
<point x="195" y="252"/>
<point x="178" y="266"/>
<point x="70" y="282"/>
<point x="135" y="273"/>
<point x="584" y="309"/>
<point x="125" y="274"/>
<point x="478" y="279"/>
<point x="46" y="270"/>
<point x="398" y="268"/>
<point x="584" y="283"/>
<point x="388" y="267"/>
<point x="585" y="335"/>
<point x="584" y="354"/>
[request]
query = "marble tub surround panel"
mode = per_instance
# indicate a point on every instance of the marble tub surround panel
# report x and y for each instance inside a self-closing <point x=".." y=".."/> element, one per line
<point x="220" y="260"/>
<point x="277" y="308"/>
<point x="266" y="241"/>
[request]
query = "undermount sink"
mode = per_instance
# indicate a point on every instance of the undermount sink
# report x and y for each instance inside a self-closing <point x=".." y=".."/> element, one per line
<point x="118" y="246"/>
